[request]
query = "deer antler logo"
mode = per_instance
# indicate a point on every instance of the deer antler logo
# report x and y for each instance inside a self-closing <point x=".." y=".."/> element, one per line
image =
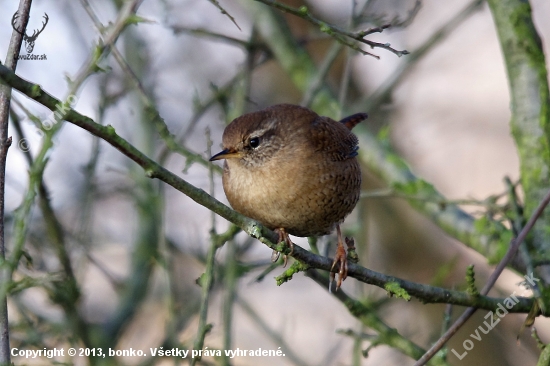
<point x="29" y="40"/>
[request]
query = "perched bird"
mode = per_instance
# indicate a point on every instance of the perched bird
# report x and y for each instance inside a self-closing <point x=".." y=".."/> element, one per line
<point x="293" y="171"/>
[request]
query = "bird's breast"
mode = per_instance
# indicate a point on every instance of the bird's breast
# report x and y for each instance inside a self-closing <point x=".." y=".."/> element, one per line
<point x="302" y="196"/>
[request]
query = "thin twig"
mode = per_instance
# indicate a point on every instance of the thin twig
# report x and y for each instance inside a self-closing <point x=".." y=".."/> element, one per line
<point x="447" y="317"/>
<point x="344" y="84"/>
<point x="209" y="34"/>
<point x="128" y="9"/>
<point x="224" y="12"/>
<point x="384" y="91"/>
<point x="514" y="245"/>
<point x="231" y="277"/>
<point x="153" y="113"/>
<point x="41" y="160"/>
<point x="206" y="280"/>
<point x="337" y="32"/>
<point x="274" y="336"/>
<point x="5" y="143"/>
<point x="517" y="222"/>
<point x="67" y="282"/>
<point x="489" y="202"/>
<point x="346" y="73"/>
<point x="368" y="317"/>
<point x="319" y="81"/>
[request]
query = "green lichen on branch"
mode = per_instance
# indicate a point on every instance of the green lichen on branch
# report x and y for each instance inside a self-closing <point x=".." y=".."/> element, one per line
<point x="530" y="123"/>
<point x="416" y="188"/>
<point x="471" y="281"/>
<point x="544" y="359"/>
<point x="286" y="276"/>
<point x="394" y="289"/>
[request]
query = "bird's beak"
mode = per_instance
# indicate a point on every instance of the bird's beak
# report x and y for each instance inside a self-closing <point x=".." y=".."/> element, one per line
<point x="226" y="154"/>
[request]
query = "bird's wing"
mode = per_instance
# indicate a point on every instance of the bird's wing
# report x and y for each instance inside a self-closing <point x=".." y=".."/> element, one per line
<point x="333" y="138"/>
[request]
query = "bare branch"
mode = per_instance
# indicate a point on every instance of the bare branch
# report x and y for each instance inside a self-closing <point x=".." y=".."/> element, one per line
<point x="5" y="142"/>
<point x="337" y="32"/>
<point x="224" y="12"/>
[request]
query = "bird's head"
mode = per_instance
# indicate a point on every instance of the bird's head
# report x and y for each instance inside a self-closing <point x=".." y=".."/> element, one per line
<point x="255" y="138"/>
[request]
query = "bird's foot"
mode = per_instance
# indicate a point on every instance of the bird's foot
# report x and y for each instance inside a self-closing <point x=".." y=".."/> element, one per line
<point x="341" y="258"/>
<point x="283" y="236"/>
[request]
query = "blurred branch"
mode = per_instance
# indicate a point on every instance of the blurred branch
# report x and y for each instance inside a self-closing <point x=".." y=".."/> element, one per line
<point x="428" y="294"/>
<point x="90" y="189"/>
<point x="517" y="222"/>
<point x="293" y="58"/>
<point x="109" y="38"/>
<point x="274" y="336"/>
<point x="368" y="317"/>
<point x="231" y="270"/>
<point x="206" y="280"/>
<point x="230" y="278"/>
<point x="447" y="317"/>
<point x="222" y="94"/>
<point x="224" y="12"/>
<point x="147" y="197"/>
<point x="388" y="165"/>
<point x="152" y="112"/>
<point x="319" y="80"/>
<point x="530" y="125"/>
<point x="338" y="33"/>
<point x="490" y="203"/>
<point x="382" y="93"/>
<point x="209" y="34"/>
<point x="512" y="250"/>
<point x="344" y="85"/>
<point x="5" y="143"/>
<point x="65" y="290"/>
<point x="530" y="106"/>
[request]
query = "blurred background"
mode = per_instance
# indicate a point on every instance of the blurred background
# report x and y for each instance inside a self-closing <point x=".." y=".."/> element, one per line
<point x="137" y="246"/>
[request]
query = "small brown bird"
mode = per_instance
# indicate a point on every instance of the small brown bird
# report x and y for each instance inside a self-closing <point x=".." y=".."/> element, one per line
<point x="293" y="171"/>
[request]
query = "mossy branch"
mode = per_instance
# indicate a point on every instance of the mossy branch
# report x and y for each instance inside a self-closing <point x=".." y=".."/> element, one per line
<point x="425" y="293"/>
<point x="471" y="281"/>
<point x="530" y="106"/>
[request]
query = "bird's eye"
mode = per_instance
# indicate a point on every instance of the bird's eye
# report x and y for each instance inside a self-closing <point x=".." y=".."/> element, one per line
<point x="254" y="142"/>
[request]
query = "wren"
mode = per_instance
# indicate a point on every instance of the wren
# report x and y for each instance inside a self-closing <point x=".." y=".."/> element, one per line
<point x="293" y="171"/>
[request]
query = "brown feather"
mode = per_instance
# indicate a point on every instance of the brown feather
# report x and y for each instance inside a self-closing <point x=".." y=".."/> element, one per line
<point x="354" y="120"/>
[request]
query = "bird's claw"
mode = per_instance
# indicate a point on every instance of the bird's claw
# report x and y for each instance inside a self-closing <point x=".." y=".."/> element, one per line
<point x="283" y="236"/>
<point x="275" y="257"/>
<point x="341" y="258"/>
